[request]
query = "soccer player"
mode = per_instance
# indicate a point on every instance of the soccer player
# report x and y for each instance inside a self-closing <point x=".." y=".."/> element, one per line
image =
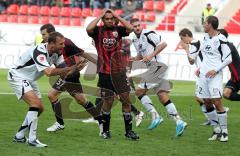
<point x="148" y="45"/>
<point x="216" y="55"/>
<point x="232" y="87"/>
<point x="112" y="68"/>
<point x="71" y="84"/>
<point x="29" y="67"/>
<point x="192" y="48"/>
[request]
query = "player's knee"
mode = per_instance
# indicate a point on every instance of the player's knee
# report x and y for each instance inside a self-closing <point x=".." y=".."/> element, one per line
<point x="140" y="92"/>
<point x="51" y="96"/>
<point x="226" y="93"/>
<point x="163" y="97"/>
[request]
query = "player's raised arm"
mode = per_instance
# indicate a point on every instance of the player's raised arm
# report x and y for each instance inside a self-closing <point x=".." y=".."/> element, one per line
<point x="93" y="24"/>
<point x="128" y="26"/>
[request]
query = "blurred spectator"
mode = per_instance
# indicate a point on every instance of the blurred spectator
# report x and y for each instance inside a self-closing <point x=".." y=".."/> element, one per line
<point x="3" y="5"/>
<point x="208" y="11"/>
<point x="115" y="4"/>
<point x="67" y="3"/>
<point x="101" y="4"/>
<point x="129" y="6"/>
<point x="58" y="3"/>
<point x="139" y="4"/>
<point x="40" y="2"/>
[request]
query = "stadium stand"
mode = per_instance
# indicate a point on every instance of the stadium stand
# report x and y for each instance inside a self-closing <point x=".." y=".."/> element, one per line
<point x="173" y="14"/>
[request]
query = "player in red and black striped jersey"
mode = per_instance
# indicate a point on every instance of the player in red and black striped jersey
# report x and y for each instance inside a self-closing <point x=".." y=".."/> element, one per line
<point x="111" y="67"/>
<point x="72" y="55"/>
<point x="233" y="85"/>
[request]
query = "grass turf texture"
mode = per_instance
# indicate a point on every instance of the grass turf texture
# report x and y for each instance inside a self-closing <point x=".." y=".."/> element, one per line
<point x="82" y="139"/>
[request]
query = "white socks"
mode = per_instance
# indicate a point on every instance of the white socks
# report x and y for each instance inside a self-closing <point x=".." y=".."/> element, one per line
<point x="30" y="121"/>
<point x="172" y="111"/>
<point x="147" y="103"/>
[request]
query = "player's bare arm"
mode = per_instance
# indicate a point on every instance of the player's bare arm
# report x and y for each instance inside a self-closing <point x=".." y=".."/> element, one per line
<point x="94" y="23"/>
<point x="89" y="58"/>
<point x="128" y="26"/>
<point x="158" y="49"/>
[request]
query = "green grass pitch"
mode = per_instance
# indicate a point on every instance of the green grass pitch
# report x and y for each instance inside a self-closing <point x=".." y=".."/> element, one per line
<point x="82" y="139"/>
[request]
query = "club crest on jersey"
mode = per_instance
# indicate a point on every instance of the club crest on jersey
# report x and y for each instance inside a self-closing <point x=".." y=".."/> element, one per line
<point x="140" y="46"/>
<point x="41" y="58"/>
<point x="115" y="34"/>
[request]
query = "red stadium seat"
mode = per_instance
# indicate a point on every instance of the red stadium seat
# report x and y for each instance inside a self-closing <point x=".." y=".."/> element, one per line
<point x="33" y="10"/>
<point x="159" y="6"/>
<point x="13" y="19"/>
<point x="55" y="20"/>
<point x="76" y="12"/>
<point x="45" y="10"/>
<point x="44" y="20"/>
<point x="139" y="15"/>
<point x="144" y="25"/>
<point x="86" y="12"/>
<point x="76" y="22"/>
<point x="23" y="9"/>
<point x="119" y="11"/>
<point x="3" y="18"/>
<point x="148" y="5"/>
<point x="13" y="9"/>
<point x="96" y="12"/>
<point x="34" y="20"/>
<point x="65" y="21"/>
<point x="66" y="12"/>
<point x="55" y="11"/>
<point x="23" y="19"/>
<point x="151" y="16"/>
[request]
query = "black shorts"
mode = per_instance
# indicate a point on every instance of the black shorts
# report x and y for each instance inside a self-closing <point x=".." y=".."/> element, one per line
<point x="72" y="85"/>
<point x="235" y="86"/>
<point x="115" y="83"/>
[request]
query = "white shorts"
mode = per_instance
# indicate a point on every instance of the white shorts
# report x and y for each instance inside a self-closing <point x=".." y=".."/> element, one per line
<point x="21" y="87"/>
<point x="210" y="87"/>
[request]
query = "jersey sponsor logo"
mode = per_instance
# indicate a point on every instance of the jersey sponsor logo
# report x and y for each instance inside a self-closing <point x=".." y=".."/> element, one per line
<point x="109" y="43"/>
<point x="208" y="48"/>
<point x="140" y="46"/>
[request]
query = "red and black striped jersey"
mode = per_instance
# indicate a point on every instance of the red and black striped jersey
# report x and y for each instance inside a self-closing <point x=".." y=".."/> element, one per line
<point x="234" y="67"/>
<point x="108" y="42"/>
<point x="71" y="52"/>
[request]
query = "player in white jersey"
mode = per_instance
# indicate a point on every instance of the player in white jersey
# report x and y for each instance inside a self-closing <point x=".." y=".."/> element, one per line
<point x="192" y="48"/>
<point x="148" y="45"/>
<point x="216" y="55"/>
<point x="29" y="67"/>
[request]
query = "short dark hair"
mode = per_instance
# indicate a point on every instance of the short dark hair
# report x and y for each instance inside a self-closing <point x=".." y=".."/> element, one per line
<point x="185" y="31"/>
<point x="108" y="11"/>
<point x="213" y="20"/>
<point x="134" y="20"/>
<point x="50" y="28"/>
<point x="224" y="32"/>
<point x="53" y="37"/>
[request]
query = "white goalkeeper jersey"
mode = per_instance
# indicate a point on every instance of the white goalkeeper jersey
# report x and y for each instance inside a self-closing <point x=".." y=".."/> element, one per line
<point x="147" y="43"/>
<point x="216" y="53"/>
<point x="31" y="64"/>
